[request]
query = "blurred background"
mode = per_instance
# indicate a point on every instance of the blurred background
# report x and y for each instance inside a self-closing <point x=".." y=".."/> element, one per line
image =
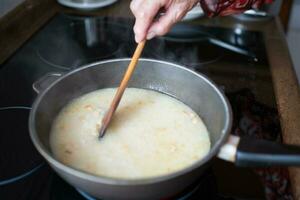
<point x="289" y="13"/>
<point x="288" y="10"/>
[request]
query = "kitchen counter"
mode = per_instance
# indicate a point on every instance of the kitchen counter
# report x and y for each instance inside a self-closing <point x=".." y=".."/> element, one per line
<point x="20" y="24"/>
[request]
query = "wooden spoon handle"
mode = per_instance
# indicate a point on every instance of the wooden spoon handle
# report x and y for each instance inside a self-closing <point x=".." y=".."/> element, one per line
<point x="122" y="87"/>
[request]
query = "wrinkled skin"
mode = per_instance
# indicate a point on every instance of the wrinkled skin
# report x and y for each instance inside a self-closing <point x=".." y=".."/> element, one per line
<point x="145" y="11"/>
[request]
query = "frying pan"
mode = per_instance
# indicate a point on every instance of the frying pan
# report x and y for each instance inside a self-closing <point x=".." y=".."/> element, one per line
<point x="194" y="89"/>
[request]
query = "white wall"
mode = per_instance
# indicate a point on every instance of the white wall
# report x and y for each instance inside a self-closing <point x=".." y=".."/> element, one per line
<point x="8" y="5"/>
<point x="293" y="37"/>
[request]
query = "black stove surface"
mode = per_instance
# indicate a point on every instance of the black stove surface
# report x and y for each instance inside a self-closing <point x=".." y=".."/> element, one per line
<point x="234" y="58"/>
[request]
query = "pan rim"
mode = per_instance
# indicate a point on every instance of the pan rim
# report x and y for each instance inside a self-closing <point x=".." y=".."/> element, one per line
<point x="126" y="182"/>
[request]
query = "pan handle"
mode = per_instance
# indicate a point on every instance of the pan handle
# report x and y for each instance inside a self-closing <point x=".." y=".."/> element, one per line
<point x="45" y="81"/>
<point x="250" y="152"/>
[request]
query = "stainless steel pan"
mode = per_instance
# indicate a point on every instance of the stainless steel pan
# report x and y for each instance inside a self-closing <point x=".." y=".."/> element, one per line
<point x="192" y="88"/>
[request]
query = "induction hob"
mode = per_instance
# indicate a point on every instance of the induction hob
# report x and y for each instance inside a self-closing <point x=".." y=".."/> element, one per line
<point x="234" y="58"/>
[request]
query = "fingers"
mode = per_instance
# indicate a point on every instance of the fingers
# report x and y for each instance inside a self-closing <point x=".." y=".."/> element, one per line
<point x="174" y="14"/>
<point x="144" y="12"/>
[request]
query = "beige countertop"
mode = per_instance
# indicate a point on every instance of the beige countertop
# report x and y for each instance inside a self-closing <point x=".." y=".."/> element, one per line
<point x="19" y="25"/>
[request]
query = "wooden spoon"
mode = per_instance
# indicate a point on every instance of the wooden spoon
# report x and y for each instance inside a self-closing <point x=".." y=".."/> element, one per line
<point x="117" y="98"/>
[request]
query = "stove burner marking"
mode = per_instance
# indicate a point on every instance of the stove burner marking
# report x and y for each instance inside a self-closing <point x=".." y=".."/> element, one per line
<point x="19" y="177"/>
<point x="15" y="107"/>
<point x="92" y="36"/>
<point x="85" y="195"/>
<point x="29" y="172"/>
<point x="49" y="63"/>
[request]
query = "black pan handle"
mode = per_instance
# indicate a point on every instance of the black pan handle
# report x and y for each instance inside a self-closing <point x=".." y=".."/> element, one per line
<point x="251" y="152"/>
<point x="262" y="153"/>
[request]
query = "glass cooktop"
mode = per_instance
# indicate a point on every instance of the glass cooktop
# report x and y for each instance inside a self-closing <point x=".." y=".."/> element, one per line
<point x="234" y="58"/>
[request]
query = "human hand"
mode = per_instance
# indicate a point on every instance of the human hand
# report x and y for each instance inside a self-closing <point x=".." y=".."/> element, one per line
<point x="145" y="11"/>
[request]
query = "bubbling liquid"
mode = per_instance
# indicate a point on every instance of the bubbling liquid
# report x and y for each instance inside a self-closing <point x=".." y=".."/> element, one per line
<point x="151" y="134"/>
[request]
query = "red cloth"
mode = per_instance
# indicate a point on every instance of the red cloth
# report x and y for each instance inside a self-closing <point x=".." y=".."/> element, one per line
<point x="228" y="7"/>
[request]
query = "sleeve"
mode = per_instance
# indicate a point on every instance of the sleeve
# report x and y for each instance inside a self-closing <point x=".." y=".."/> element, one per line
<point x="228" y="7"/>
